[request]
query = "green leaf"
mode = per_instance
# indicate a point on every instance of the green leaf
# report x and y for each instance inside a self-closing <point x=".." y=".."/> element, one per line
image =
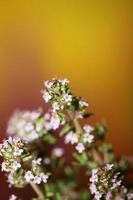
<point x="49" y="138"/>
<point x="82" y="159"/>
<point x="100" y="130"/>
<point x="65" y="129"/>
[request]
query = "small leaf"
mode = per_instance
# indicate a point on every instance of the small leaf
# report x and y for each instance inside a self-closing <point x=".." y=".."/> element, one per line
<point x="66" y="128"/>
<point x="49" y="138"/>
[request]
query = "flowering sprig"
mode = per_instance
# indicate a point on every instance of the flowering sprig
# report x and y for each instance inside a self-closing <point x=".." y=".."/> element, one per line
<point x="105" y="183"/>
<point x="18" y="161"/>
<point x="59" y="94"/>
<point x="32" y="151"/>
<point x="28" y="125"/>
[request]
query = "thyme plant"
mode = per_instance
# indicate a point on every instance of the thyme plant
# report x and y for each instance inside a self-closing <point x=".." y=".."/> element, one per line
<point x="83" y="168"/>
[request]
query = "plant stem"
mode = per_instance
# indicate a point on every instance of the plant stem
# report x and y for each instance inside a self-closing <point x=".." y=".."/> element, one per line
<point x="76" y="123"/>
<point x="37" y="190"/>
<point x="97" y="157"/>
<point x="79" y="131"/>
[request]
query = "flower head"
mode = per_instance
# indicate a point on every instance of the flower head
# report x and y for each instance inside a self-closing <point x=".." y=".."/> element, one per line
<point x="80" y="147"/>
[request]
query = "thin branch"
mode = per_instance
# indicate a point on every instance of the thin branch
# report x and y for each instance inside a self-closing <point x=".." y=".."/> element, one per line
<point x="37" y="190"/>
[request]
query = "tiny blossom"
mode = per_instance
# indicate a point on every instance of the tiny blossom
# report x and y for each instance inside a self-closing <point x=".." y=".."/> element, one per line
<point x="71" y="137"/>
<point x="98" y="195"/>
<point x="67" y="98"/>
<point x="109" y="166"/>
<point x="93" y="188"/>
<point x="55" y="106"/>
<point x="58" y="152"/>
<point x="29" y="176"/>
<point x="64" y="81"/>
<point x="26" y="124"/>
<point x="48" y="84"/>
<point x="13" y="197"/>
<point x="46" y="96"/>
<point x="4" y="166"/>
<point x="130" y="195"/>
<point x="16" y="165"/>
<point x="104" y="182"/>
<point x="52" y="122"/>
<point x="116" y="184"/>
<point x="44" y="177"/>
<point x="83" y="103"/>
<point x="55" y="122"/>
<point x="87" y="137"/>
<point x="11" y="180"/>
<point x="88" y="128"/>
<point x="94" y="177"/>
<point x="109" y="195"/>
<point x="37" y="180"/>
<point x="47" y="161"/>
<point x="37" y="161"/>
<point x="47" y="116"/>
<point x="80" y="147"/>
<point x="17" y="151"/>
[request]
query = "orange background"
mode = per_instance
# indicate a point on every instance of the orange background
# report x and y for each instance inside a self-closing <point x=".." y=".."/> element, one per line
<point x="88" y="42"/>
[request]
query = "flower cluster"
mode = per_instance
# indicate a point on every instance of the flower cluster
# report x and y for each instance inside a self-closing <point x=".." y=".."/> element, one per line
<point x="121" y="193"/>
<point x="27" y="125"/>
<point x="52" y="121"/>
<point x="12" y="151"/>
<point x="30" y="125"/>
<point x="59" y="94"/>
<point x="80" y="140"/>
<point x="104" y="181"/>
<point x="31" y="151"/>
<point x="16" y="157"/>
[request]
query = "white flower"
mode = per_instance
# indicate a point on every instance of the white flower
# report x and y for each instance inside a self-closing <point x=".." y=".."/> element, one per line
<point x="88" y="138"/>
<point x="47" y="161"/>
<point x="39" y="126"/>
<point x="46" y="96"/>
<point x="94" y="177"/>
<point x="88" y="128"/>
<point x="71" y="137"/>
<point x="37" y="180"/>
<point x="109" y="166"/>
<point x="29" y="176"/>
<point x="130" y="195"/>
<point x="55" y="106"/>
<point x="47" y="116"/>
<point x="4" y="166"/>
<point x="58" y="152"/>
<point x="35" y="115"/>
<point x="55" y="122"/>
<point x="24" y="124"/>
<point x="64" y="81"/>
<point x="17" y="151"/>
<point x="93" y="188"/>
<point x="44" y="177"/>
<point x="116" y="184"/>
<point x="15" y="165"/>
<point x="67" y="98"/>
<point x="13" y="197"/>
<point x="16" y="140"/>
<point x="48" y="84"/>
<point x="109" y="195"/>
<point x="98" y="195"/>
<point x="37" y="161"/>
<point x="6" y="144"/>
<point x="83" y="103"/>
<point x="80" y="147"/>
<point x="29" y="127"/>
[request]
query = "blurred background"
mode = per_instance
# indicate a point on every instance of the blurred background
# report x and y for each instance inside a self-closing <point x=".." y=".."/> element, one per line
<point x="88" y="42"/>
